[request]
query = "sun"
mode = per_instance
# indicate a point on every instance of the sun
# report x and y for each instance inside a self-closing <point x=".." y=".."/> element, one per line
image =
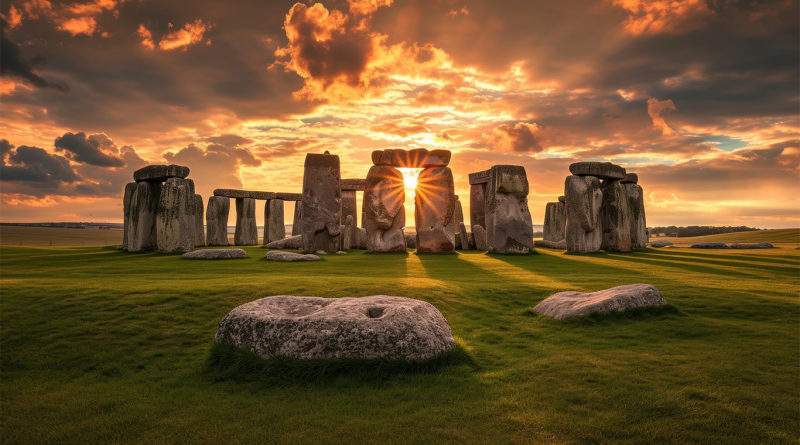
<point x="410" y="179"/>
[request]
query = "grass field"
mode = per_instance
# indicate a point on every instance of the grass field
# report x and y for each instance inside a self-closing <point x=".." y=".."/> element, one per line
<point x="102" y="346"/>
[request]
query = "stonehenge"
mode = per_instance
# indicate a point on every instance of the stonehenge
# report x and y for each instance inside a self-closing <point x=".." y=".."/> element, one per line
<point x="199" y="232"/>
<point x="384" y="214"/>
<point x="143" y="210"/>
<point x="583" y="230"/>
<point x="434" y="206"/>
<point x="175" y="222"/>
<point x="477" y="198"/>
<point x="274" y="228"/>
<point x="322" y="203"/>
<point x="555" y="220"/>
<point x="615" y="217"/>
<point x="509" y="228"/>
<point x="217" y="220"/>
<point x="246" y="233"/>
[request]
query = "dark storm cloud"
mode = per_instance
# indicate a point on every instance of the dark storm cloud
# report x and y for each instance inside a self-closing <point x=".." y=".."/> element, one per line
<point x="97" y="149"/>
<point x="35" y="166"/>
<point x="13" y="63"/>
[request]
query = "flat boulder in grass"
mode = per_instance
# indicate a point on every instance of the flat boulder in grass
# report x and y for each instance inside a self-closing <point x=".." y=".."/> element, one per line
<point x="215" y="254"/>
<point x="752" y="246"/>
<point x="574" y="304"/>
<point x="661" y="243"/>
<point x="277" y="255"/>
<point x="378" y="326"/>
<point x="710" y="246"/>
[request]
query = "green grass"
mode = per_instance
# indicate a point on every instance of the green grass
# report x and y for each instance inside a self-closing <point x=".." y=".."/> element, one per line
<point x="103" y="346"/>
<point x="774" y="236"/>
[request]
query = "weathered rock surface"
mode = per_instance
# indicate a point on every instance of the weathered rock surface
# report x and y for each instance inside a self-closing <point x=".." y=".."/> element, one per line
<point x="479" y="238"/>
<point x="143" y="216"/>
<point x="752" y="246"/>
<point x="130" y="189"/>
<point x="661" y="243"/>
<point x="160" y="173"/>
<point x="246" y="233"/>
<point x="176" y="216"/>
<point x="297" y="220"/>
<point x="362" y="238"/>
<point x="615" y="218"/>
<point x="217" y="220"/>
<point x="602" y="170"/>
<point x="551" y="244"/>
<point x="292" y="242"/>
<point x="384" y="215"/>
<point x="555" y="220"/>
<point x="434" y="207"/>
<point x="347" y="235"/>
<point x="477" y="205"/>
<point x="354" y="185"/>
<point x="583" y="230"/>
<point x="199" y="229"/>
<point x="630" y="178"/>
<point x="350" y="208"/>
<point x="411" y="240"/>
<point x="464" y="238"/>
<point x="244" y="194"/>
<point x="415" y="158"/>
<point x="710" y="246"/>
<point x="277" y="255"/>
<point x="509" y="228"/>
<point x="377" y="326"/>
<point x="215" y="254"/>
<point x="284" y="196"/>
<point x="455" y="222"/>
<point x="575" y="304"/>
<point x="322" y="203"/>
<point x="562" y="199"/>
<point x="638" y="222"/>
<point x="274" y="229"/>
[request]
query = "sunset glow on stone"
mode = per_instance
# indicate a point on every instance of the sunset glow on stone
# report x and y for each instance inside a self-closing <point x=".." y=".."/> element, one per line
<point x="410" y="180"/>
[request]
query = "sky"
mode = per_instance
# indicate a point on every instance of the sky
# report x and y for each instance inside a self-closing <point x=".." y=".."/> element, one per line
<point x="699" y="98"/>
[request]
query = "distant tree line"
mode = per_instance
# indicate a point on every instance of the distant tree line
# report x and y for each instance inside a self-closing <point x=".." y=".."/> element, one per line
<point x="698" y="230"/>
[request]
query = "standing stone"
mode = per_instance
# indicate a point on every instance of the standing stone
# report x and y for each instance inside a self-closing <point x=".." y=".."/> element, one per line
<point x="602" y="170"/>
<point x="199" y="232"/>
<point x="458" y="218"/>
<point x="347" y="235"/>
<point x="479" y="238"/>
<point x="434" y="207"/>
<point x="350" y="208"/>
<point x="638" y="223"/>
<point x="176" y="216"/>
<point x="384" y="214"/>
<point x="555" y="218"/>
<point x="144" y="206"/>
<point x="274" y="229"/>
<point x="477" y="205"/>
<point x="217" y="220"/>
<point x="615" y="218"/>
<point x="130" y="189"/>
<point x="464" y="236"/>
<point x="297" y="221"/>
<point x="362" y="238"/>
<point x="246" y="233"/>
<point x="322" y="203"/>
<point x="584" y="232"/>
<point x="509" y="228"/>
<point x="160" y="173"/>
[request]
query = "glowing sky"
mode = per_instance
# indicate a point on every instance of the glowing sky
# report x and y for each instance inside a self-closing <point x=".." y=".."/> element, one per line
<point x="699" y="98"/>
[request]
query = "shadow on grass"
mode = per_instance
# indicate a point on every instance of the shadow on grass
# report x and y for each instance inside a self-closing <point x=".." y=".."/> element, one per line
<point x="633" y="314"/>
<point x="229" y="362"/>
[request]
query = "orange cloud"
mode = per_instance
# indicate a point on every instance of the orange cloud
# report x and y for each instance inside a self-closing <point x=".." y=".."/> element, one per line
<point x="183" y="38"/>
<point x="146" y="35"/>
<point x="656" y="16"/>
<point x="522" y="137"/>
<point x="77" y="18"/>
<point x="367" y="7"/>
<point x="454" y="13"/>
<point x="80" y="25"/>
<point x="655" y="109"/>
<point x="14" y="18"/>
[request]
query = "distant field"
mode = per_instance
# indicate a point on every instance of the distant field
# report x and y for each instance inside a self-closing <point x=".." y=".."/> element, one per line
<point x="761" y="236"/>
<point x="44" y="236"/>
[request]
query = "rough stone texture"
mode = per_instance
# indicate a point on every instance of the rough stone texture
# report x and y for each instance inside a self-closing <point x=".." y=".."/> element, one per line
<point x="471" y="241"/>
<point x="274" y="229"/>
<point x="160" y="173"/>
<point x="292" y="242"/>
<point x="348" y="234"/>
<point x="350" y="208"/>
<point x="277" y="255"/>
<point x="555" y="219"/>
<point x="479" y="177"/>
<point x="322" y="203"/>
<point x="660" y="243"/>
<point x="434" y="207"/>
<point x="384" y="214"/>
<point x="551" y="244"/>
<point x="479" y="238"/>
<point x="217" y="220"/>
<point x="297" y="221"/>
<point x="602" y="170"/>
<point x="246" y="233"/>
<point x="355" y="185"/>
<point x="215" y="254"/>
<point x="562" y="199"/>
<point x="583" y="231"/>
<point x="752" y="246"/>
<point x="130" y="189"/>
<point x="477" y="205"/>
<point x="630" y="178"/>
<point x="411" y="241"/>
<point x="415" y="158"/>
<point x="378" y="326"/>
<point x="638" y="223"/>
<point x="362" y="238"/>
<point x="509" y="228"/>
<point x="574" y="304"/>
<point x="341" y="252"/>
<point x="176" y="216"/>
<point x="615" y="218"/>
<point x="241" y="194"/>
<point x="199" y="229"/>
<point x="143" y="216"/>
<point x="464" y="237"/>
<point x="710" y="246"/>
<point x="289" y="196"/>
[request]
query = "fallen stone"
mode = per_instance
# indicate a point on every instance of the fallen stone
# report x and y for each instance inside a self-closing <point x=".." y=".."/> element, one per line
<point x="176" y="216"/>
<point x="615" y="218"/>
<point x="710" y="246"/>
<point x="638" y="222"/>
<point x="321" y="252"/>
<point x="277" y="255"/>
<point x="660" y="243"/>
<point x="752" y="246"/>
<point x="583" y="230"/>
<point x="630" y="178"/>
<point x="246" y="233"/>
<point x="217" y="220"/>
<point x="244" y="194"/>
<point x="322" y="203"/>
<point x="341" y="252"/>
<point x="575" y="304"/>
<point x="555" y="219"/>
<point x="143" y="216"/>
<point x="602" y="170"/>
<point x="509" y="228"/>
<point x="562" y="245"/>
<point x="215" y="254"/>
<point x="274" y="228"/>
<point x="479" y="238"/>
<point x="160" y="173"/>
<point x="377" y="326"/>
<point x="434" y="207"/>
<point x="199" y="228"/>
<point x="384" y="215"/>
<point x="292" y="242"/>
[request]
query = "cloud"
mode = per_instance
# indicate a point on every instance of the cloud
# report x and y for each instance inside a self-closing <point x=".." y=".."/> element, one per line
<point x="147" y="36"/>
<point x="214" y="166"/>
<point x="78" y="25"/>
<point x="367" y="7"/>
<point x="183" y="38"/>
<point x="521" y="138"/>
<point x="454" y="13"/>
<point x="14" y="18"/>
<point x="230" y="140"/>
<point x="74" y="18"/>
<point x="35" y="166"/>
<point x="97" y="149"/>
<point x="13" y="64"/>
<point x="655" y="109"/>
<point x="656" y="16"/>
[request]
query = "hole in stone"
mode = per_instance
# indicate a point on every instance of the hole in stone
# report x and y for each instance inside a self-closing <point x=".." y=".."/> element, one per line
<point x="375" y="312"/>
